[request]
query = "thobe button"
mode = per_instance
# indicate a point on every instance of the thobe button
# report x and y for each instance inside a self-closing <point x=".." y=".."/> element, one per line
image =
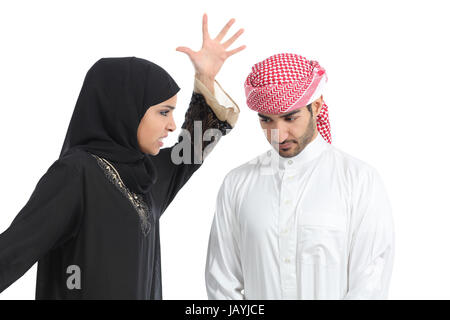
<point x="268" y="153"/>
<point x="287" y="260"/>
<point x="284" y="231"/>
<point x="290" y="162"/>
<point x="287" y="202"/>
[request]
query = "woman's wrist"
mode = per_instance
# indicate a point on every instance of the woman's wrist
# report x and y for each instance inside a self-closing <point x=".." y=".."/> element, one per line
<point x="207" y="81"/>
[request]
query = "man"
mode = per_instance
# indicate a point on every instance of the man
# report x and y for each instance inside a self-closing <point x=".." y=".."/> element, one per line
<point x="307" y="221"/>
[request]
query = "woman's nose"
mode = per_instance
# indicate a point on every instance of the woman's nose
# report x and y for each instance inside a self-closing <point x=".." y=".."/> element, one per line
<point x="171" y="126"/>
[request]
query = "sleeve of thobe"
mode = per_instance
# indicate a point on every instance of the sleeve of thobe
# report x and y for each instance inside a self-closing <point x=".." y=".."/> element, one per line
<point x="50" y="217"/>
<point x="209" y="113"/>
<point x="372" y="247"/>
<point x="223" y="273"/>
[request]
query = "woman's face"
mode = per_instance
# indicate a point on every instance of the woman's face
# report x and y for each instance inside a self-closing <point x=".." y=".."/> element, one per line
<point x="155" y="125"/>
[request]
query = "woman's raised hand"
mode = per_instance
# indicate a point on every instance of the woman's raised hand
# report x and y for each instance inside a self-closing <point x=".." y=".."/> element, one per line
<point x="210" y="58"/>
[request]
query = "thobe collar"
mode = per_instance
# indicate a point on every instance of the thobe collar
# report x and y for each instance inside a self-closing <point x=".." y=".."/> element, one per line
<point x="310" y="152"/>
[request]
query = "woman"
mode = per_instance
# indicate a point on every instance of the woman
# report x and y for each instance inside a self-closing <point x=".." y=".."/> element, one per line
<point x="92" y="222"/>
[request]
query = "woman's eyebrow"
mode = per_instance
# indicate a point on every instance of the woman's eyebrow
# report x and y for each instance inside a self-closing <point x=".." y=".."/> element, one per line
<point x="170" y="107"/>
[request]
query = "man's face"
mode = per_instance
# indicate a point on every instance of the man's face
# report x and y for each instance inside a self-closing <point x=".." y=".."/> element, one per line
<point x="289" y="133"/>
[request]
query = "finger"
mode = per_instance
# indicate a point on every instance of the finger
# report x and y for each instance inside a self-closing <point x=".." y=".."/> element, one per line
<point x="224" y="30"/>
<point x="205" y="27"/>
<point x="230" y="53"/>
<point x="230" y="41"/>
<point x="186" y="50"/>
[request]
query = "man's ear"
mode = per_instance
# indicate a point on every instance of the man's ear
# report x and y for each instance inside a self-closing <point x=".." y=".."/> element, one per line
<point x="317" y="105"/>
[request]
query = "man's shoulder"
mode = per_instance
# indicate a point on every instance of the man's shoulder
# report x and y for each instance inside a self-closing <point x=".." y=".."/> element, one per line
<point x="247" y="168"/>
<point x="354" y="167"/>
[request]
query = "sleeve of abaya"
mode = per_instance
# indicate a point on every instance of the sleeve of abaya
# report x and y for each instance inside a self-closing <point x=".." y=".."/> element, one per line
<point x="50" y="217"/>
<point x="372" y="246"/>
<point x="209" y="117"/>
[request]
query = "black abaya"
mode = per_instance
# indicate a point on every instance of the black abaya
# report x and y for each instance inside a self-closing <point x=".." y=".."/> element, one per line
<point x="93" y="236"/>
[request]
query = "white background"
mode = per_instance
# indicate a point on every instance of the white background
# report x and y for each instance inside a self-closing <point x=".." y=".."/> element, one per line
<point x="387" y="63"/>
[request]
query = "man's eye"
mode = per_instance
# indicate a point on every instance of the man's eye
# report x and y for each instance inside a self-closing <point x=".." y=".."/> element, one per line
<point x="264" y="120"/>
<point x="290" y="118"/>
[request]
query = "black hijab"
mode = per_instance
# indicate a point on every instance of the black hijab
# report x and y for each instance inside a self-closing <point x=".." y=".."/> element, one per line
<point x="115" y="95"/>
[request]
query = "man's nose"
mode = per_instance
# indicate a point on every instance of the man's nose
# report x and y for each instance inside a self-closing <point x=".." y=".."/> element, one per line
<point x="279" y="134"/>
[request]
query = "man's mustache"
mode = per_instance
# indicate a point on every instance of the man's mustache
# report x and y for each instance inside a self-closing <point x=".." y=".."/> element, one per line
<point x="285" y="141"/>
<point x="278" y="144"/>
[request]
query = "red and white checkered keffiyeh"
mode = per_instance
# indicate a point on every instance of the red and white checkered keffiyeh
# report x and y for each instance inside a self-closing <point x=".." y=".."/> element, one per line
<point x="285" y="82"/>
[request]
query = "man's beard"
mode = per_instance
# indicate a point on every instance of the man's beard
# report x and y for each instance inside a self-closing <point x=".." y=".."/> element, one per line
<point x="300" y="143"/>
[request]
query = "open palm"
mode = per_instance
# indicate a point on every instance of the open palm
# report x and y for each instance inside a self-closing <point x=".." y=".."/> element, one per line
<point x="210" y="58"/>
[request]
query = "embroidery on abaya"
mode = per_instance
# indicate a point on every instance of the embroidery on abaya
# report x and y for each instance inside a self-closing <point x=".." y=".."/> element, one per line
<point x="136" y="200"/>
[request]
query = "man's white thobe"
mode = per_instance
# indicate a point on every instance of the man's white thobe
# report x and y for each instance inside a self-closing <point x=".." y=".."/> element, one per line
<point x="314" y="226"/>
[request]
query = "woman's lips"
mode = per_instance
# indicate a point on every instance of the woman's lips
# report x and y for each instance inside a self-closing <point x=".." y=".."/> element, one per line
<point x="160" y="141"/>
